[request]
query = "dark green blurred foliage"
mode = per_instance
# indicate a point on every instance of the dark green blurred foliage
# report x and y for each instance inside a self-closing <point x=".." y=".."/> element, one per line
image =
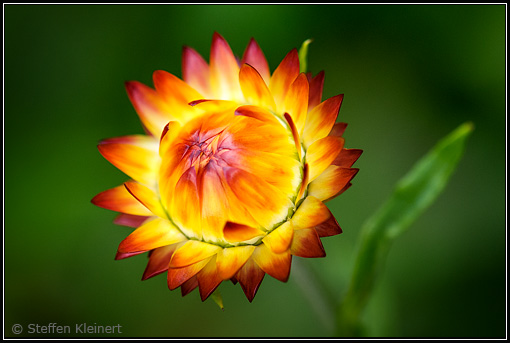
<point x="410" y="75"/>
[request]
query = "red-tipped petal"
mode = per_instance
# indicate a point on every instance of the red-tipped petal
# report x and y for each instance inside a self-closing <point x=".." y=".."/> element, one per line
<point x="279" y="239"/>
<point x="235" y="232"/>
<point x="321" y="119"/>
<point x="347" y="157"/>
<point x="321" y="154"/>
<point x="306" y="243"/>
<point x="230" y="260"/>
<point x="331" y="182"/>
<point x="276" y="265"/>
<point x="256" y="112"/>
<point x="254" y="56"/>
<point x="123" y="255"/>
<point x="250" y="276"/>
<point x="146" y="197"/>
<point x="310" y="213"/>
<point x="316" y="86"/>
<point x="224" y="70"/>
<point x="177" y="276"/>
<point x="192" y="252"/>
<point x="208" y="279"/>
<point x="151" y="235"/>
<point x="195" y="71"/>
<point x="120" y="200"/>
<point x="328" y="228"/>
<point x="296" y="101"/>
<point x="338" y="129"/>
<point x="130" y="220"/>
<point x="189" y="286"/>
<point x="295" y="133"/>
<point x="158" y="261"/>
<point x="151" y="108"/>
<point x="254" y="88"/>
<point x="284" y="76"/>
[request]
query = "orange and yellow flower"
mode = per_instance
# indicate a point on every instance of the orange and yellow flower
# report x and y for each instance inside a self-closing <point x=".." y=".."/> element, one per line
<point x="230" y="181"/>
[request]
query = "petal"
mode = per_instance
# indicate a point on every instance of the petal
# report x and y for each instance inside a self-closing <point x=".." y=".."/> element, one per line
<point x="328" y="228"/>
<point x="321" y="119"/>
<point x="254" y="56"/>
<point x="146" y="197"/>
<point x="280" y="238"/>
<point x="224" y="70"/>
<point x="177" y="94"/>
<point x="310" y="213"/>
<point x="256" y="112"/>
<point x="316" y="86"/>
<point x="120" y="200"/>
<point x="306" y="243"/>
<point x="296" y="101"/>
<point x="230" y="260"/>
<point x="168" y="136"/>
<point x="266" y="203"/>
<point x="304" y="183"/>
<point x="135" y="155"/>
<point x="189" y="286"/>
<point x="254" y="88"/>
<point x="234" y="232"/>
<point x="195" y="71"/>
<point x="338" y="129"/>
<point x="158" y="261"/>
<point x="347" y="157"/>
<point x="151" y="108"/>
<point x="177" y="276"/>
<point x="284" y="76"/>
<point x="130" y="220"/>
<point x="276" y="265"/>
<point x="192" y="252"/>
<point x="151" y="235"/>
<point x="295" y="134"/>
<point x="208" y="279"/>
<point x="250" y="276"/>
<point x="321" y="154"/>
<point x="329" y="184"/>
<point x="123" y="255"/>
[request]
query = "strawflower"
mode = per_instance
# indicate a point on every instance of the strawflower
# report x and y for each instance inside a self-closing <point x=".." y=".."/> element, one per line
<point x="230" y="181"/>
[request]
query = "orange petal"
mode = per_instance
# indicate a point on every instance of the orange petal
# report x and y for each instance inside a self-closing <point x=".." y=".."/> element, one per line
<point x="256" y="112"/>
<point x="146" y="197"/>
<point x="250" y="276"/>
<point x="304" y="183"/>
<point x="254" y="56"/>
<point x="151" y="235"/>
<point x="151" y="108"/>
<point x="224" y="70"/>
<point x="192" y="252"/>
<point x="321" y="119"/>
<point x="135" y="155"/>
<point x="234" y="232"/>
<point x="168" y="136"/>
<point x="254" y="88"/>
<point x="329" y="184"/>
<point x="130" y="220"/>
<point x="158" y="261"/>
<point x="316" y="86"/>
<point x="195" y="71"/>
<point x="189" y="286"/>
<point x="296" y="101"/>
<point x="177" y="276"/>
<point x="321" y="154"/>
<point x="120" y="200"/>
<point x="310" y="213"/>
<point x="266" y="203"/>
<point x="338" y="129"/>
<point x="230" y="260"/>
<point x="208" y="279"/>
<point x="328" y="228"/>
<point x="276" y="265"/>
<point x="347" y="157"/>
<point x="177" y="94"/>
<point x="284" y="76"/>
<point x="306" y="243"/>
<point x="280" y="238"/>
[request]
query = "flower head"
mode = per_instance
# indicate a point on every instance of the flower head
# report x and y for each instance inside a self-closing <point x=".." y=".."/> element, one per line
<point x="230" y="180"/>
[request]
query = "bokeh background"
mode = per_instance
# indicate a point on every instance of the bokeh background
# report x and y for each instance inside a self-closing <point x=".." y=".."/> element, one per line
<point x="410" y="75"/>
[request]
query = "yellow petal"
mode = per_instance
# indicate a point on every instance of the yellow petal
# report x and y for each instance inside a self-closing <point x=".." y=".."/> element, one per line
<point x="254" y="88"/>
<point x="230" y="260"/>
<point x="283" y="77"/>
<point x="310" y="213"/>
<point x="192" y="252"/>
<point x="329" y="184"/>
<point x="296" y="101"/>
<point x="321" y="119"/>
<point x="224" y="70"/>
<point x="321" y="154"/>
<point x="151" y="235"/>
<point x="276" y="265"/>
<point x="280" y="238"/>
<point x="146" y="197"/>
<point x="120" y="200"/>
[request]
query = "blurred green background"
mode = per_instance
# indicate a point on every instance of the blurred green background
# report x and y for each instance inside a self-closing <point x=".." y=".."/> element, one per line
<point x="410" y="75"/>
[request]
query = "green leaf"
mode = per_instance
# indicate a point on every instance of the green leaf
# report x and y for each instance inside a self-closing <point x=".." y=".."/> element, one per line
<point x="303" y="52"/>
<point x="412" y="195"/>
